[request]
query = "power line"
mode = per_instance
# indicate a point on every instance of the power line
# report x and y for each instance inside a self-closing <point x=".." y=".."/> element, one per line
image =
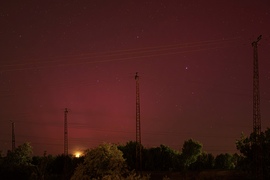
<point x="91" y="128"/>
<point x="151" y="52"/>
<point x="123" y="51"/>
<point x="199" y="135"/>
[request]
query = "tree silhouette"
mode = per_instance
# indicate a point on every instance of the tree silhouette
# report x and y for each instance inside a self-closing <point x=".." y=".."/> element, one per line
<point x="17" y="164"/>
<point x="101" y="161"/>
<point x="204" y="161"/>
<point x="190" y="152"/>
<point x="247" y="148"/>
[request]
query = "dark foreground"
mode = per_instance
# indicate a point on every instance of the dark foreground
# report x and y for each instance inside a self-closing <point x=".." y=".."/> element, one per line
<point x="207" y="174"/>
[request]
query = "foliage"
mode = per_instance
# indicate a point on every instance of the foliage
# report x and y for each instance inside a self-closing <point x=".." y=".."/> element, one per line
<point x="40" y="163"/>
<point x="129" y="153"/>
<point x="224" y="161"/>
<point x="108" y="161"/>
<point x="204" y="161"/>
<point x="247" y="147"/>
<point x="131" y="176"/>
<point x="190" y="152"/>
<point x="20" y="156"/>
<point x="17" y="164"/>
<point x="244" y="145"/>
<point x="161" y="158"/>
<point x="53" y="167"/>
<point x="104" y="160"/>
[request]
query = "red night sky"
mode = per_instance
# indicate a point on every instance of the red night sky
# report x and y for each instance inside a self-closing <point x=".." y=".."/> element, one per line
<point x="194" y="58"/>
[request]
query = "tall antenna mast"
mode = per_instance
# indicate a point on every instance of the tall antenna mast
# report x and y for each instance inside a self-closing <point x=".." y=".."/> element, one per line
<point x="13" y="136"/>
<point x="65" y="132"/>
<point x="256" y="111"/>
<point x="138" y="127"/>
<point x="256" y="92"/>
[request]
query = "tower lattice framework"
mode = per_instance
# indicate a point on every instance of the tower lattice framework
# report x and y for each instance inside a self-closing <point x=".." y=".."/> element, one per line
<point x="13" y="136"/>
<point x="138" y="127"/>
<point x="65" y="132"/>
<point x="256" y="113"/>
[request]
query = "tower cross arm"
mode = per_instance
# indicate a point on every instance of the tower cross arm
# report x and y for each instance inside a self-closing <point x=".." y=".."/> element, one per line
<point x="258" y="39"/>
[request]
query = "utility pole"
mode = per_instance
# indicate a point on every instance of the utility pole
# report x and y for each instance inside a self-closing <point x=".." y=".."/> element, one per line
<point x="138" y="128"/>
<point x="13" y="135"/>
<point x="256" y="112"/>
<point x="65" y="132"/>
<point x="65" y="170"/>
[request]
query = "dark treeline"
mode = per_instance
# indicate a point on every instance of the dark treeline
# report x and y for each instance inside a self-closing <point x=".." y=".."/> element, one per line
<point x="119" y="161"/>
<point x="163" y="158"/>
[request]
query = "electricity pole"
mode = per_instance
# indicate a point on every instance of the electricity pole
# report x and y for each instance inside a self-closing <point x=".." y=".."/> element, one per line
<point x="13" y="136"/>
<point x="65" y="132"/>
<point x="138" y="128"/>
<point x="256" y="112"/>
<point x="65" y="170"/>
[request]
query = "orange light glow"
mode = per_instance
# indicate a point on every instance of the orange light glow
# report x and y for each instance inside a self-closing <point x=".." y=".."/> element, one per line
<point x="78" y="154"/>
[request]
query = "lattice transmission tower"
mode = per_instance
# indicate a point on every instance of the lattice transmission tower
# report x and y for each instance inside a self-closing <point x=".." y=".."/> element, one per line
<point x="65" y="132"/>
<point x="13" y="136"/>
<point x="256" y="112"/>
<point x="138" y="127"/>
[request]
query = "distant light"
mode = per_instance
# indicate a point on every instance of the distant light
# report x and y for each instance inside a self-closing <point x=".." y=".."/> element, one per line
<point x="78" y="154"/>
